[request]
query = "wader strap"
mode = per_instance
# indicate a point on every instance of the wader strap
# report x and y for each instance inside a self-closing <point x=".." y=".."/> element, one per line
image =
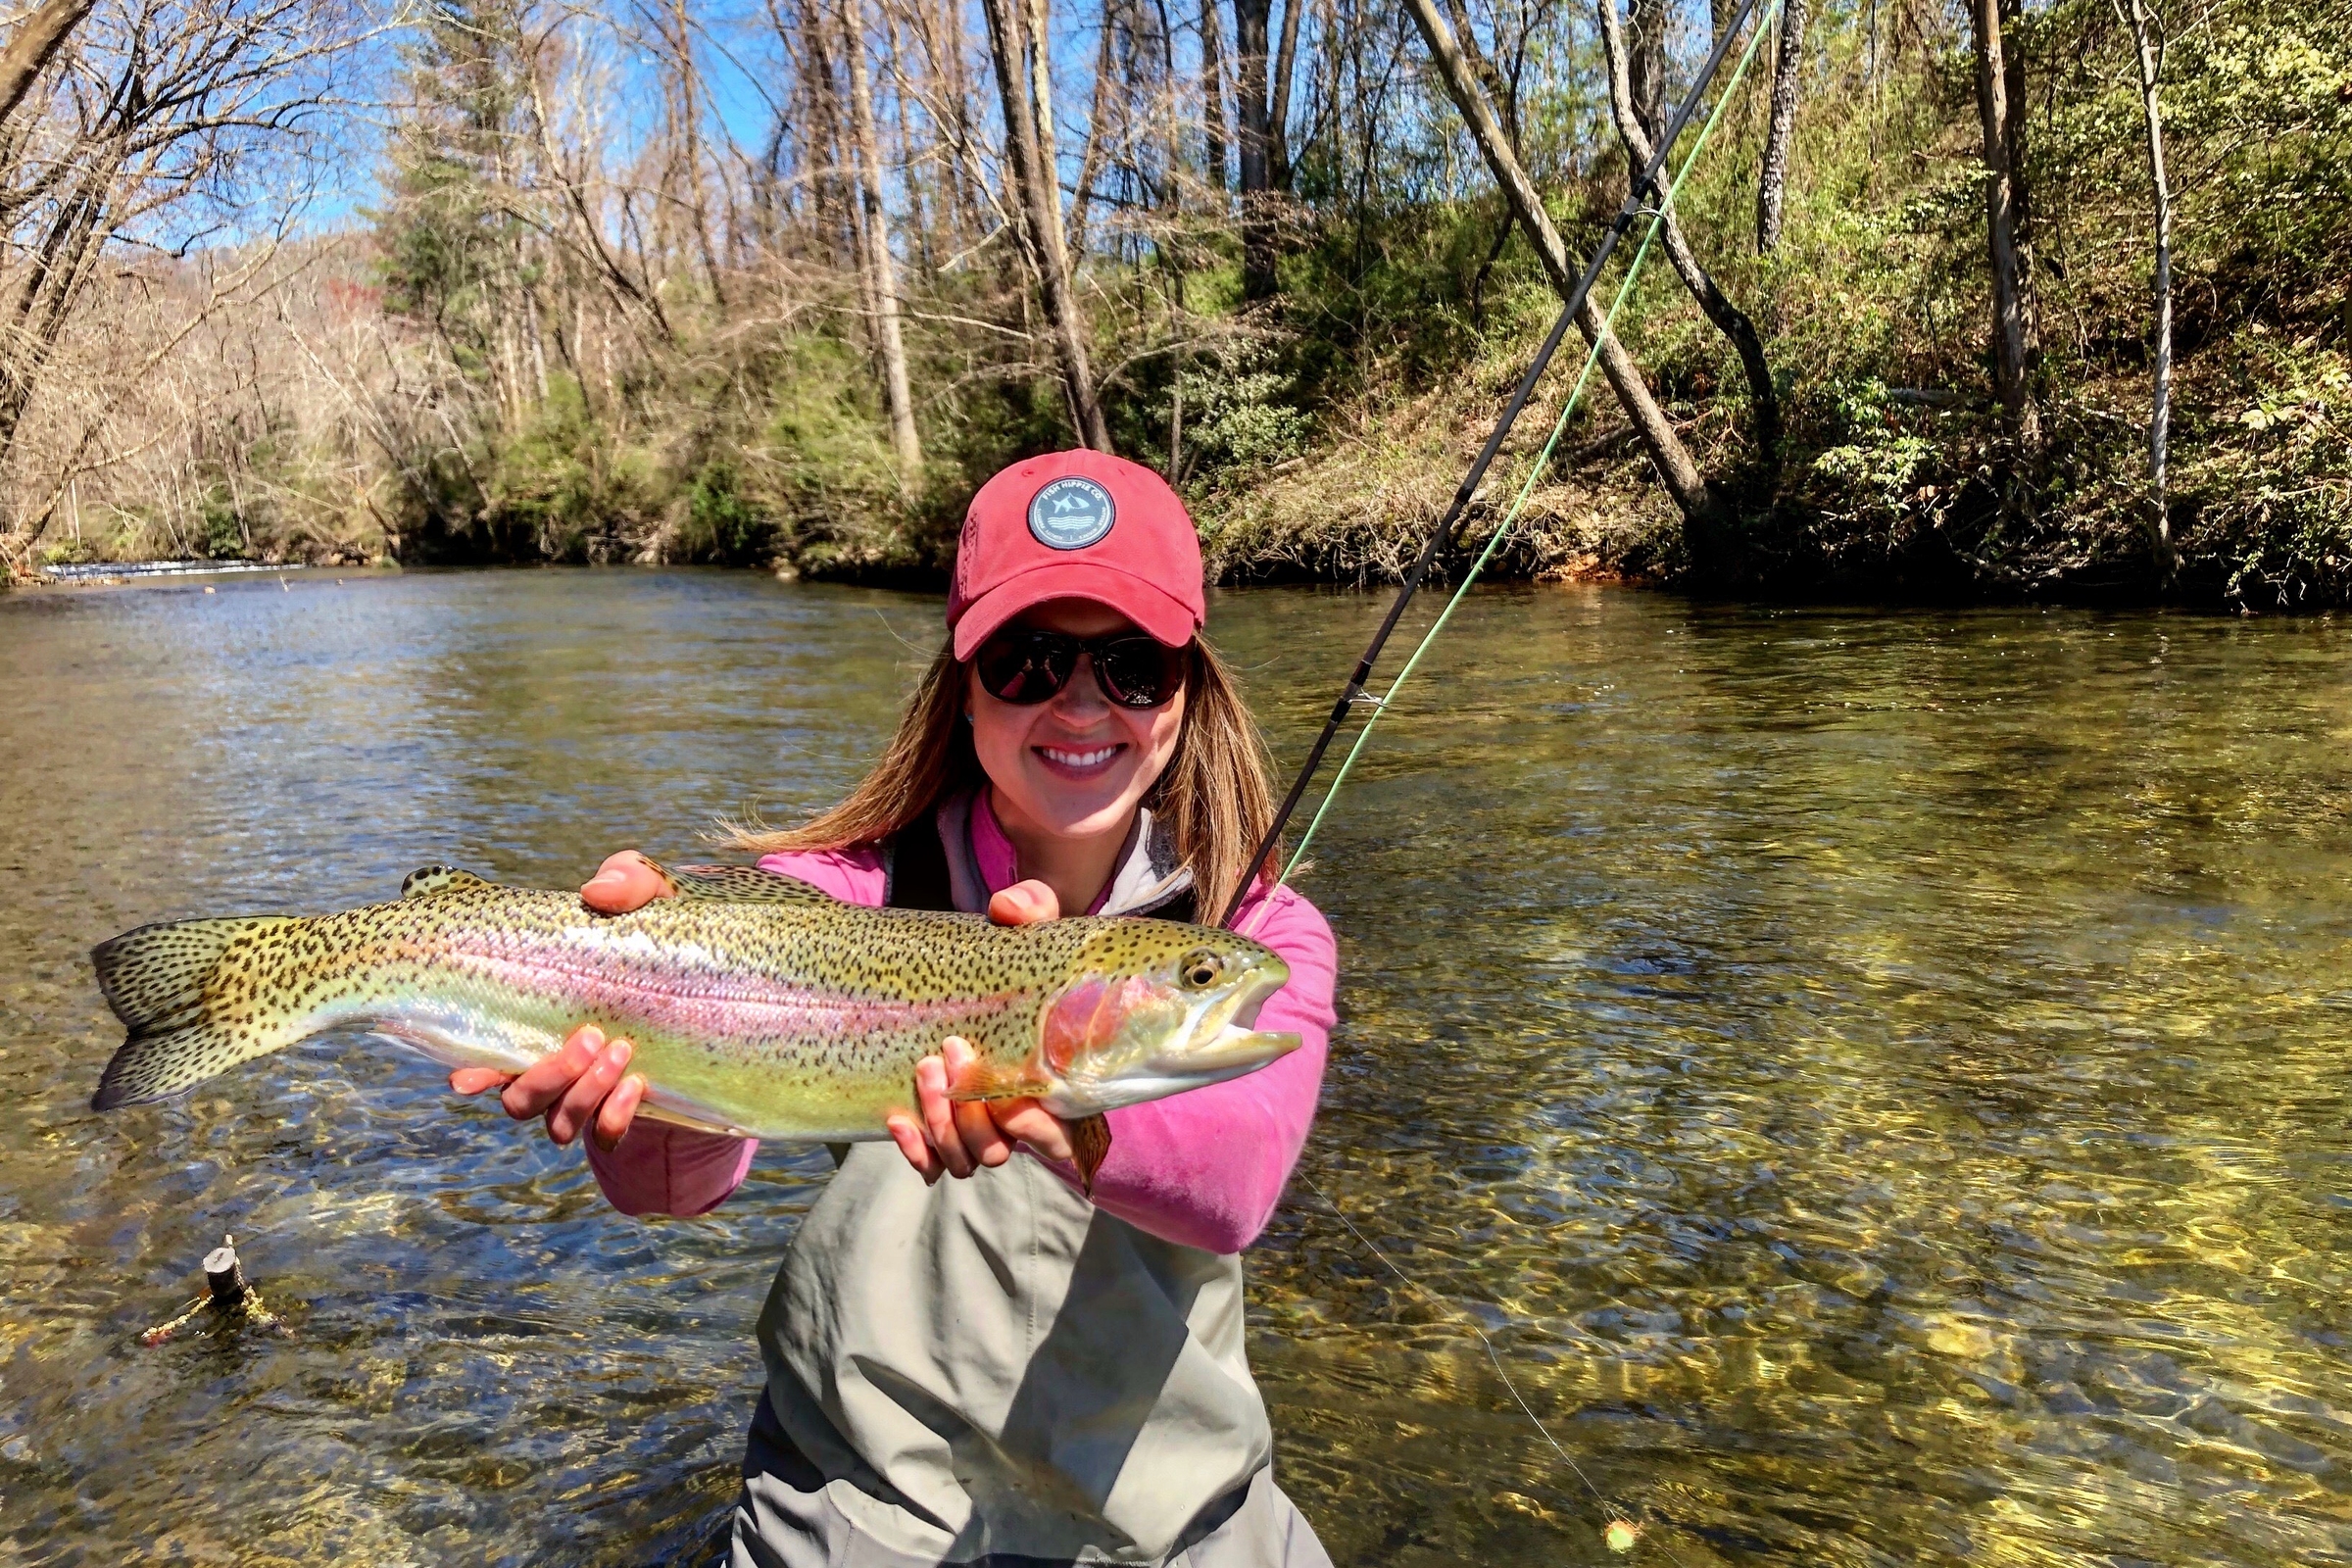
<point x="916" y="875"/>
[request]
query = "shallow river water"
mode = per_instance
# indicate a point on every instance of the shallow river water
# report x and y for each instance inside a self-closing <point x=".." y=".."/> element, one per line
<point x="1879" y="1079"/>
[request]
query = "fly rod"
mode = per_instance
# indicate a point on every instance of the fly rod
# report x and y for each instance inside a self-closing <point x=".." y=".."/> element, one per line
<point x="1636" y="200"/>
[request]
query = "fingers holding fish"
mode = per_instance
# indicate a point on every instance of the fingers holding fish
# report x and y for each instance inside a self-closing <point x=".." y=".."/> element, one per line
<point x="1028" y="1122"/>
<point x="625" y="881"/>
<point x="939" y="1113"/>
<point x="620" y="1109"/>
<point x="571" y="1115"/>
<point x="578" y="1087"/>
<point x="975" y="1125"/>
<point x="907" y="1134"/>
<point x="948" y="1136"/>
<point x="540" y="1086"/>
<point x="1024" y="903"/>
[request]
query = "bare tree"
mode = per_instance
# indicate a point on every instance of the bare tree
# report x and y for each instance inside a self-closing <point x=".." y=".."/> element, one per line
<point x="1667" y="454"/>
<point x="874" y="227"/>
<point x="163" y="101"/>
<point x="2010" y="308"/>
<point x="1099" y="113"/>
<point x="162" y="114"/>
<point x="1255" y="111"/>
<point x="1010" y="47"/>
<point x="1645" y="25"/>
<point x="1788" y="69"/>
<point x="38" y="41"/>
<point x="1213" y="95"/>
<point x="1277" y="110"/>
<point x="1728" y="318"/>
<point x="2147" y="47"/>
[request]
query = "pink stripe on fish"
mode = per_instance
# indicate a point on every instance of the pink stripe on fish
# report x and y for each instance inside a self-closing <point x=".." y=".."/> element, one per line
<point x="727" y="1004"/>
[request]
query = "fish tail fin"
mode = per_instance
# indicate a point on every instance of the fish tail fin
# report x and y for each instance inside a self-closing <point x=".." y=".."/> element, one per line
<point x="158" y="981"/>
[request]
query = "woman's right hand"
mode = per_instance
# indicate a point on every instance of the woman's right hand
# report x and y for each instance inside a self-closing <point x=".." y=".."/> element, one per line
<point x="580" y="1086"/>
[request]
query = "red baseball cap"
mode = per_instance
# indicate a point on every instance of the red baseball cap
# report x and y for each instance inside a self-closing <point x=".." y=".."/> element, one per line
<point x="1077" y="525"/>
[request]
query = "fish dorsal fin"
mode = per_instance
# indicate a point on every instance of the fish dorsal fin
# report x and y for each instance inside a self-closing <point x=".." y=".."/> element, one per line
<point x="740" y="884"/>
<point x="432" y="879"/>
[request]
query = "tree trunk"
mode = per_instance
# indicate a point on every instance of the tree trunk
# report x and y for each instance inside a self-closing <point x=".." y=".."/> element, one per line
<point x="1212" y="99"/>
<point x="60" y="272"/>
<point x="690" y="101"/>
<point x="1667" y="454"/>
<point x="35" y="44"/>
<point x="2020" y="186"/>
<point x="2009" y="339"/>
<point x="2149" y="47"/>
<point x="1490" y="82"/>
<point x="1254" y="111"/>
<point x="1097" y="113"/>
<point x="1032" y="196"/>
<point x="1772" y="184"/>
<point x="1277" y="118"/>
<point x="1645" y="32"/>
<point x="1038" y="15"/>
<point x="820" y="87"/>
<point x="879" y="266"/>
<point x="922" y="197"/>
<point x="1729" y="319"/>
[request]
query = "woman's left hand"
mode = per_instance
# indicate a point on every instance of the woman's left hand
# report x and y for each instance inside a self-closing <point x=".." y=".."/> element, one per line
<point x="955" y="1138"/>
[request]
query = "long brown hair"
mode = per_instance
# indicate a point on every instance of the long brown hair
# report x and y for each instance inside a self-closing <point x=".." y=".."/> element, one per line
<point x="1213" y="795"/>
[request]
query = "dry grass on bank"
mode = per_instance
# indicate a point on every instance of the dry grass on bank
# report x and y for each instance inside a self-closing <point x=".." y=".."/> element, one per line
<point x="1358" y="508"/>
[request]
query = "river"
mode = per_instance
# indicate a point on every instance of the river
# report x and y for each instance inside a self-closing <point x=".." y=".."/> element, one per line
<point x="1878" y="1078"/>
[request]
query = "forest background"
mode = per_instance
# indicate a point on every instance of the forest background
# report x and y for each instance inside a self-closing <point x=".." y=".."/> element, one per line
<point x="1964" y="301"/>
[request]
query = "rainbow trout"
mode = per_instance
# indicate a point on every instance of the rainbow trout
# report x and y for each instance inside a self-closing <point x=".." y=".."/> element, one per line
<point x="758" y="1005"/>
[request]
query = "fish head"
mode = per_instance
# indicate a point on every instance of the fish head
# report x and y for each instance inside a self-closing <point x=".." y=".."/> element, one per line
<point x="1151" y="1008"/>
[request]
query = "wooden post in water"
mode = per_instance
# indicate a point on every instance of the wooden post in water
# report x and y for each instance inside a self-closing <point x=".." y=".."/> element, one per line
<point x="226" y="1278"/>
<point x="228" y="1296"/>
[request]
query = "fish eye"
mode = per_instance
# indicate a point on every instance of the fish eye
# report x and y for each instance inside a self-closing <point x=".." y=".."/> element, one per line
<point x="1200" y="969"/>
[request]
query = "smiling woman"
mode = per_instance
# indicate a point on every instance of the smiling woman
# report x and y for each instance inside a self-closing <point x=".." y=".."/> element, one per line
<point x="1041" y="1361"/>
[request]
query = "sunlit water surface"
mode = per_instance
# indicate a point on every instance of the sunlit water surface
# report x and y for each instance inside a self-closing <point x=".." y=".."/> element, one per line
<point x="1878" y="1078"/>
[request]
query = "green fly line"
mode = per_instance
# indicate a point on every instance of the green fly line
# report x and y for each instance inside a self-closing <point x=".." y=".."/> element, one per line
<point x="1633" y="270"/>
<point x="1621" y="1535"/>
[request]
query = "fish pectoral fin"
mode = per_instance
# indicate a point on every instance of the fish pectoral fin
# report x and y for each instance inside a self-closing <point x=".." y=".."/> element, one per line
<point x="425" y="881"/>
<point x="986" y="1079"/>
<point x="738" y="884"/>
<point x="1090" y="1145"/>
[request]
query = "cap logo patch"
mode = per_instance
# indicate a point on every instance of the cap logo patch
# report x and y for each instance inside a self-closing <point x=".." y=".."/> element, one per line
<point x="1070" y="514"/>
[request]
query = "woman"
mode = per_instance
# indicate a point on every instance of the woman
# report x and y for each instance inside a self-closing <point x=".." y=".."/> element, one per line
<point x="993" y="1368"/>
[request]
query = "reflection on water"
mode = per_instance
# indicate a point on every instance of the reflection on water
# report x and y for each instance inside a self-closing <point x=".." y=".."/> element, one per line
<point x="1876" y="1077"/>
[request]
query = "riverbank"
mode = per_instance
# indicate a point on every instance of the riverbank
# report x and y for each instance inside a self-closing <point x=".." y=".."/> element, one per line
<point x="1318" y="421"/>
<point x="1907" y="510"/>
<point x="1892" y="493"/>
<point x="492" y="366"/>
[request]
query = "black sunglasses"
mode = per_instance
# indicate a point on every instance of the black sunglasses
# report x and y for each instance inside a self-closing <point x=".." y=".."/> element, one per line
<point x="1131" y="669"/>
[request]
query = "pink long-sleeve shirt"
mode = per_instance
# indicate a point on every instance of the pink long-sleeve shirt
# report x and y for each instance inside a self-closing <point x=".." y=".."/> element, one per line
<point x="1203" y="1168"/>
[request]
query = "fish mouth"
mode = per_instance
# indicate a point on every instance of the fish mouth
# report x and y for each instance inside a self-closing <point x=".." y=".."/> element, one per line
<point x="1219" y="1041"/>
<point x="1224" y="1041"/>
<point x="1235" y="1050"/>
